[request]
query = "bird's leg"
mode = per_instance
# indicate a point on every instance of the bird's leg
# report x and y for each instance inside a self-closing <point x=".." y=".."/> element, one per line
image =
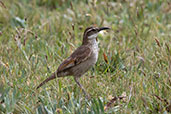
<point x="85" y="93"/>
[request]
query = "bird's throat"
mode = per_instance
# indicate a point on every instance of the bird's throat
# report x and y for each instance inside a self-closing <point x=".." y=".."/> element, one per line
<point x="93" y="41"/>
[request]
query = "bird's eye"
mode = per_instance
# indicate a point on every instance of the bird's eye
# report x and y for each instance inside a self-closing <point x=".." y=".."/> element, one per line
<point x="94" y="30"/>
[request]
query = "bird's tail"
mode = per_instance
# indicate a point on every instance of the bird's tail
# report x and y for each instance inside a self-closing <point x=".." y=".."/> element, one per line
<point x="53" y="76"/>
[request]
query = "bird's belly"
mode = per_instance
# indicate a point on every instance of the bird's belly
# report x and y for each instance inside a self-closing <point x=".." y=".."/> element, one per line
<point x="83" y="67"/>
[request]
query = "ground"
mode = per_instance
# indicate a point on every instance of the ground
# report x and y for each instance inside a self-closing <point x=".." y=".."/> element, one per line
<point x="133" y="72"/>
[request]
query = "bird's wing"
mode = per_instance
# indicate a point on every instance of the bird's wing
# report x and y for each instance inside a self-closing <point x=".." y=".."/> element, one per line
<point x="79" y="55"/>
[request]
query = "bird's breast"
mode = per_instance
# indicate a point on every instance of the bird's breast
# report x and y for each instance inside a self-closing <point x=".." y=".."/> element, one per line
<point x="83" y="67"/>
<point x="95" y="53"/>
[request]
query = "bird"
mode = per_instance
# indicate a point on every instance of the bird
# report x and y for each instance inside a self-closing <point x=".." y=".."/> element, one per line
<point x="81" y="60"/>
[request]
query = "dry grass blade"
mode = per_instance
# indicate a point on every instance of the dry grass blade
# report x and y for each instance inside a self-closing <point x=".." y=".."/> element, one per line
<point x="105" y="58"/>
<point x="2" y="4"/>
<point x="167" y="105"/>
<point x="167" y="47"/>
<point x="163" y="100"/>
<point x="4" y="64"/>
<point x="113" y="101"/>
<point x="157" y="41"/>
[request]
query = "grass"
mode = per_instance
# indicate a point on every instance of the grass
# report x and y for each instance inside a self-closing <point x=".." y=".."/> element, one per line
<point x="36" y="36"/>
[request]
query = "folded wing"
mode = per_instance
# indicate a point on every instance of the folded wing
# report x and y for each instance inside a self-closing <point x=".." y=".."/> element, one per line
<point x="81" y="54"/>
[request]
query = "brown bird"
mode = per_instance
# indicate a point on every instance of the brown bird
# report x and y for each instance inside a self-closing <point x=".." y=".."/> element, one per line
<point x="81" y="60"/>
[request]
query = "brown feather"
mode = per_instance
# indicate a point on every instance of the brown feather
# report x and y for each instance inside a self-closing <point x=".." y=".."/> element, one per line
<point x="53" y="76"/>
<point x="79" y="55"/>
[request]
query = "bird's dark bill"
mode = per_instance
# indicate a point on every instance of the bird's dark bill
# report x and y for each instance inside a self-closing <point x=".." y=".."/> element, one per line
<point x="103" y="28"/>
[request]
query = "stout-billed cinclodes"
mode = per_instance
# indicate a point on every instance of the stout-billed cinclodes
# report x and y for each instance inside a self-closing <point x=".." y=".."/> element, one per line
<point x="81" y="60"/>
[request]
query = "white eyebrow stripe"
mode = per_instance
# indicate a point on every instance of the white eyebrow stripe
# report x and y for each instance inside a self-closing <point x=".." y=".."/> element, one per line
<point x="90" y="30"/>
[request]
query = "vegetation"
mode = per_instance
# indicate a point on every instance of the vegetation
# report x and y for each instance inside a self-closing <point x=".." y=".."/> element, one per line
<point x="133" y="72"/>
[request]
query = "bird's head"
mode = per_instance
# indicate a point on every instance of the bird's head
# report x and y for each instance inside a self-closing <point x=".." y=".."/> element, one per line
<point x="91" y="33"/>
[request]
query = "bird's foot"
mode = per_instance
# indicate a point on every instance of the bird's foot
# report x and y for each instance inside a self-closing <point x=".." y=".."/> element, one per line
<point x="87" y="96"/>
